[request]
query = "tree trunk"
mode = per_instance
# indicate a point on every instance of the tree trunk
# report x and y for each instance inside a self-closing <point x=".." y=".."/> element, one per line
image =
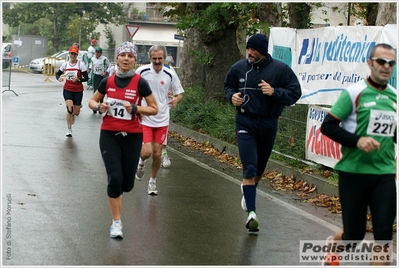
<point x="299" y="15"/>
<point x="190" y="71"/>
<point x="222" y="48"/>
<point x="386" y="14"/>
<point x="371" y="14"/>
<point x="217" y="70"/>
<point x="241" y="36"/>
<point x="56" y="40"/>
<point x="270" y="13"/>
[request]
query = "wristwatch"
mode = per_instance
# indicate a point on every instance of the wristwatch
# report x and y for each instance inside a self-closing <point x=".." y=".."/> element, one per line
<point x="98" y="108"/>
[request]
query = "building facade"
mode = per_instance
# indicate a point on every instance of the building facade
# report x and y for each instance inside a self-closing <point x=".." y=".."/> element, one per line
<point x="153" y="29"/>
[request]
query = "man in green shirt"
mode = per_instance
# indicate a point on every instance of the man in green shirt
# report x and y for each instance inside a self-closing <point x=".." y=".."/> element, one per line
<point x="363" y="120"/>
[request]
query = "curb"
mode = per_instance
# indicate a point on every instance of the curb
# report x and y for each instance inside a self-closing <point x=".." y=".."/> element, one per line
<point x="323" y="186"/>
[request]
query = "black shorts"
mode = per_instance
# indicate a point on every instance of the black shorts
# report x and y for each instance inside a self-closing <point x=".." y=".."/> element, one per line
<point x="76" y="97"/>
<point x="359" y="191"/>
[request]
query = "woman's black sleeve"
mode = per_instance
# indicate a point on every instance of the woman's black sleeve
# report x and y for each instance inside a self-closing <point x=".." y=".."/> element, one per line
<point x="58" y="74"/>
<point x="102" y="86"/>
<point x="85" y="77"/>
<point x="144" y="88"/>
<point x="331" y="128"/>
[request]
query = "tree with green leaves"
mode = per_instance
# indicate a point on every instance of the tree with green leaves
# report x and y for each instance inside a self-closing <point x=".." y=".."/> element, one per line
<point x="65" y="18"/>
<point x="216" y="35"/>
<point x="366" y="11"/>
<point x="299" y="15"/>
<point x="372" y="14"/>
<point x="210" y="47"/>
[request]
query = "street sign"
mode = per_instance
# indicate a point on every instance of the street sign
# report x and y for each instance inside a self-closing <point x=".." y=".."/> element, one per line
<point x="18" y="43"/>
<point x="15" y="61"/>
<point x="179" y="37"/>
<point x="132" y="29"/>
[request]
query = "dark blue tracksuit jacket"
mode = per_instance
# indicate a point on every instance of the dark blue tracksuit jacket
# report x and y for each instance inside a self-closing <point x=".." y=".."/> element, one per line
<point x="257" y="117"/>
<point x="244" y="77"/>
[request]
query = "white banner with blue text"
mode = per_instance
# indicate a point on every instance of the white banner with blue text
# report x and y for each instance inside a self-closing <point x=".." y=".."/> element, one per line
<point x="327" y="60"/>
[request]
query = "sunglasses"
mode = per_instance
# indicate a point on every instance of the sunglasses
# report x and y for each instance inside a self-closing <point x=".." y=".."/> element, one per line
<point x="382" y="61"/>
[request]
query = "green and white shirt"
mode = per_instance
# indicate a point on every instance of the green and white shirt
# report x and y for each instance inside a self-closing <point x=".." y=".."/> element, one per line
<point x="99" y="65"/>
<point x="368" y="111"/>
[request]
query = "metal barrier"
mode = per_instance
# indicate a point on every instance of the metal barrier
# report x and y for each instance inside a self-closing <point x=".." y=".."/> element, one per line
<point x="49" y="67"/>
<point x="7" y="64"/>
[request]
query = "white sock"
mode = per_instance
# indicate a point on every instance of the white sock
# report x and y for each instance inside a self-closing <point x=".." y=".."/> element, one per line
<point x="117" y="221"/>
<point x="153" y="180"/>
<point x="141" y="162"/>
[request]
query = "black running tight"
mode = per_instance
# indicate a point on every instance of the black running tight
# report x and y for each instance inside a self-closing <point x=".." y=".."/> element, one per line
<point x="357" y="192"/>
<point x="120" y="152"/>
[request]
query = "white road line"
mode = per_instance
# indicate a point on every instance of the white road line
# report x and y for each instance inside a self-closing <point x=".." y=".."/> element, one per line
<point x="298" y="211"/>
<point x="260" y="192"/>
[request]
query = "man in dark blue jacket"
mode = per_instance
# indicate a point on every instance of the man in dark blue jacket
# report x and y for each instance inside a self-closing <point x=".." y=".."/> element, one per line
<point x="260" y="87"/>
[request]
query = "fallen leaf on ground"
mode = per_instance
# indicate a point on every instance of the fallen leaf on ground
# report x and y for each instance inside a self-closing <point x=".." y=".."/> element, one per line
<point x="279" y="182"/>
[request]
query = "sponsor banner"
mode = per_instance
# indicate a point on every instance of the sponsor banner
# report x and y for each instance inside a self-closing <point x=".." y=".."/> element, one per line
<point x="332" y="58"/>
<point x="390" y="35"/>
<point x="327" y="60"/>
<point x="350" y="252"/>
<point x="283" y="46"/>
<point x="320" y="148"/>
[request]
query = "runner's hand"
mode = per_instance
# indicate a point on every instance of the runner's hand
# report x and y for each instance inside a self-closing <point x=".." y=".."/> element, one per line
<point x="368" y="144"/>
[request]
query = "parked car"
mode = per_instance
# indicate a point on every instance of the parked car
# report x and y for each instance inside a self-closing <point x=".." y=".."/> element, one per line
<point x="6" y="52"/>
<point x="36" y="65"/>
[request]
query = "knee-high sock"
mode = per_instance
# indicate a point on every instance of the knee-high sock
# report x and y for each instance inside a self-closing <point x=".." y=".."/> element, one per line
<point x="250" y="196"/>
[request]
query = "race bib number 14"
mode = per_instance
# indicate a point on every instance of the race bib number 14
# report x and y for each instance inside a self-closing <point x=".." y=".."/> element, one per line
<point x="117" y="110"/>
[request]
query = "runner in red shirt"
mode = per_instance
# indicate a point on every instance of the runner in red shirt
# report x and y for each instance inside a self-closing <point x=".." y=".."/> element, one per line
<point x="121" y="131"/>
<point x="75" y="72"/>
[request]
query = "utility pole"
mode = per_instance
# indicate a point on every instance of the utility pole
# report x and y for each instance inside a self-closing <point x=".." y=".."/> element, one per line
<point x="80" y="24"/>
<point x="17" y="45"/>
<point x="349" y="14"/>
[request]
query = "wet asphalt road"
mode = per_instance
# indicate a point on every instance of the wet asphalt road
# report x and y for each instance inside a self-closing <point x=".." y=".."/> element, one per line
<point x="55" y="209"/>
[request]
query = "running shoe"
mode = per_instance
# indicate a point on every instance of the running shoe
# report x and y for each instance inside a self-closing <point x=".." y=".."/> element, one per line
<point x="243" y="203"/>
<point x="69" y="132"/>
<point x="116" y="230"/>
<point x="330" y="258"/>
<point x="152" y="188"/>
<point x="140" y="172"/>
<point x="73" y="119"/>
<point x="165" y="159"/>
<point x="252" y="222"/>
